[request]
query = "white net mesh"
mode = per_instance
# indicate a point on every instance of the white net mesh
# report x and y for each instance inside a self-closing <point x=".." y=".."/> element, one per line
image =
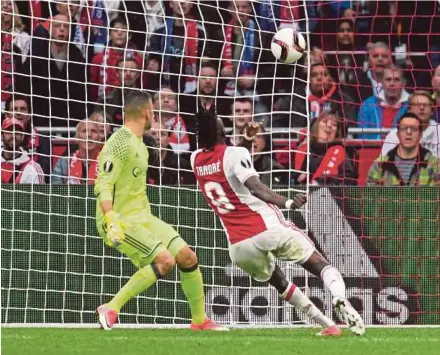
<point x="80" y="61"/>
<point x="65" y="61"/>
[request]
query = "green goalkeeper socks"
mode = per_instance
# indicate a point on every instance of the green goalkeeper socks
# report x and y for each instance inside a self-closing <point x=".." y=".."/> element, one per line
<point x="192" y="286"/>
<point x="138" y="283"/>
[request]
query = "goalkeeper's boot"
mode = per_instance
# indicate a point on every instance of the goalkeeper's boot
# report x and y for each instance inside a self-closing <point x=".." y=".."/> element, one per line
<point x="107" y="317"/>
<point x="349" y="315"/>
<point x="332" y="331"/>
<point x="208" y="324"/>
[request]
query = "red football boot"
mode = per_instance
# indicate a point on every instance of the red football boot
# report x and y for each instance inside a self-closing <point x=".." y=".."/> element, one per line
<point x="107" y="317"/>
<point x="332" y="331"/>
<point x="208" y="324"/>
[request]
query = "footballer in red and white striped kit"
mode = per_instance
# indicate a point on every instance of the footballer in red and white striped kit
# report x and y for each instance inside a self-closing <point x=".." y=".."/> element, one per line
<point x="256" y="229"/>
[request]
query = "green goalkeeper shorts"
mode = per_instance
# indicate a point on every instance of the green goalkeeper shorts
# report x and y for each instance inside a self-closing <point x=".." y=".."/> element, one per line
<point x="144" y="241"/>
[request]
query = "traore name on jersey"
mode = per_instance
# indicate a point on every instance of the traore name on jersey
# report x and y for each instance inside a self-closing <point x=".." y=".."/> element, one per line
<point x="208" y="169"/>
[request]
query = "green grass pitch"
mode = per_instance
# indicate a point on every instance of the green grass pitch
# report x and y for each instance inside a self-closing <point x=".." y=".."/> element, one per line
<point x="48" y="341"/>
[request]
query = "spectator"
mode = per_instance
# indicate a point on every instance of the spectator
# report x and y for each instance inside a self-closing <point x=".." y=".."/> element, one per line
<point x="128" y="79"/>
<point x="246" y="87"/>
<point x="242" y="49"/>
<point x="104" y="70"/>
<point x="324" y="96"/>
<point x="103" y="120"/>
<point x="36" y="145"/>
<point x="435" y="81"/>
<point x="379" y="58"/>
<point x="345" y="67"/>
<point x="97" y="15"/>
<point x="274" y="15"/>
<point x="409" y="163"/>
<point x="82" y="166"/>
<point x="271" y="172"/>
<point x="17" y="165"/>
<point x="165" y="104"/>
<point x="11" y="17"/>
<point x="173" y="169"/>
<point x="58" y="77"/>
<point x="205" y="97"/>
<point x="144" y="17"/>
<point x="371" y="17"/>
<point x="15" y="46"/>
<point x="78" y="32"/>
<point x="32" y="13"/>
<point x="242" y="112"/>
<point x="330" y="162"/>
<point x="420" y="103"/>
<point x="178" y="45"/>
<point x="385" y="110"/>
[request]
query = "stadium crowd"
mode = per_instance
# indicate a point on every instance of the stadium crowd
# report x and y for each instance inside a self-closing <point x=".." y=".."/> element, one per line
<point x="374" y="80"/>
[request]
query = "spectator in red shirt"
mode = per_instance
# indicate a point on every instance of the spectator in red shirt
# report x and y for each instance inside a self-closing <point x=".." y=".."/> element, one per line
<point x="165" y="104"/>
<point x="103" y="70"/>
<point x="82" y="166"/>
<point x="324" y="95"/>
<point x="16" y="165"/>
<point x="330" y="162"/>
<point x="36" y="145"/>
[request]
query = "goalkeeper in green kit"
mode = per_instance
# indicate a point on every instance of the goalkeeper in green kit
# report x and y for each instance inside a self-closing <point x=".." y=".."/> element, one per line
<point x="125" y="222"/>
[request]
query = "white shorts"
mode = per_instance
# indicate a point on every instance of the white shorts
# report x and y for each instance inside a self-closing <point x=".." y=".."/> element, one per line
<point x="256" y="255"/>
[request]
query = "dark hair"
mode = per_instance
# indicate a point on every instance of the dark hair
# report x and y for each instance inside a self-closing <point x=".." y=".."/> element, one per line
<point x="242" y="99"/>
<point x="346" y="20"/>
<point x="208" y="65"/>
<point x="134" y="100"/>
<point x="207" y="128"/>
<point x="17" y="97"/>
<point x="128" y="58"/>
<point x="408" y="114"/>
<point x="117" y="20"/>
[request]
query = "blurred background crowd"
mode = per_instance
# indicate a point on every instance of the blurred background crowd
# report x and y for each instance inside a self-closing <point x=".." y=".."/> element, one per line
<point x="362" y="108"/>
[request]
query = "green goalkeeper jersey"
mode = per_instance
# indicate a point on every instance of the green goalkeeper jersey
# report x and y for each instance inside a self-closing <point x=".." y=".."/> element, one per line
<point x="122" y="175"/>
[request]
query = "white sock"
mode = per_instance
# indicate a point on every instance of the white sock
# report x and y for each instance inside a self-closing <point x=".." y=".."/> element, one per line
<point x="297" y="298"/>
<point x="333" y="281"/>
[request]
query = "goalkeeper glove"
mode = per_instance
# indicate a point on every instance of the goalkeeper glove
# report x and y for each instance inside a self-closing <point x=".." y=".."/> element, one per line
<point x="115" y="231"/>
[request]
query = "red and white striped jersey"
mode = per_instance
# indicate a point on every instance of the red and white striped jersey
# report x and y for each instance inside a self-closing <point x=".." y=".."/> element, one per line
<point x="221" y="174"/>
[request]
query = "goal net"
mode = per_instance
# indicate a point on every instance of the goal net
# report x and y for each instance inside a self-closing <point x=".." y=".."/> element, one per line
<point x="68" y="63"/>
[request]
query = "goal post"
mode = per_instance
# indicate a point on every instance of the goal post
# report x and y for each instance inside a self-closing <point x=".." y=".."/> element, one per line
<point x="56" y="270"/>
